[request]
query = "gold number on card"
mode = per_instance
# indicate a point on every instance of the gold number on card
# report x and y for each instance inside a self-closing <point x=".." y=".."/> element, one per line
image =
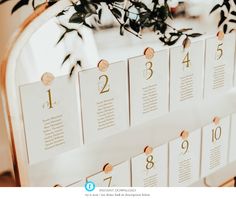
<point x="186" y="61"/>
<point x="216" y="134"/>
<point x="108" y="179"/>
<point x="150" y="163"/>
<point x="219" y="51"/>
<point x="185" y="146"/>
<point x="105" y="87"/>
<point x="49" y="99"/>
<point x="149" y="70"/>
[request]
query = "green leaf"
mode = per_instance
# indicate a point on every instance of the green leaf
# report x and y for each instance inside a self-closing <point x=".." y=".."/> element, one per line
<point x="217" y="6"/>
<point x="116" y="13"/>
<point x="66" y="58"/>
<point x="195" y="35"/>
<point x="232" y="20"/>
<point x="19" y="5"/>
<point x="77" y="18"/>
<point x="222" y="18"/>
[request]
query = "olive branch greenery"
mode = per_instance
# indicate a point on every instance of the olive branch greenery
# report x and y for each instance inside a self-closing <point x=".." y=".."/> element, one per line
<point x="133" y="16"/>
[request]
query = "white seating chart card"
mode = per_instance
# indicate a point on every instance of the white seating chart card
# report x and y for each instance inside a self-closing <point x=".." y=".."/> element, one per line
<point x="51" y="117"/>
<point x="149" y="85"/>
<point x="186" y="74"/>
<point x="119" y="176"/>
<point x="219" y="64"/>
<point x="184" y="159"/>
<point x="215" y="139"/>
<point x="104" y="96"/>
<point x="151" y="170"/>
<point x="232" y="143"/>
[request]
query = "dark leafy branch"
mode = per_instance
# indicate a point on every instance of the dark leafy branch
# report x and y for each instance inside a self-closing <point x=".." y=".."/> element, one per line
<point x="227" y="14"/>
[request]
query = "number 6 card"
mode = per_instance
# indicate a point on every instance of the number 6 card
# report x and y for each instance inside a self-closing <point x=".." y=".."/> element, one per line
<point x="104" y="98"/>
<point x="51" y="117"/>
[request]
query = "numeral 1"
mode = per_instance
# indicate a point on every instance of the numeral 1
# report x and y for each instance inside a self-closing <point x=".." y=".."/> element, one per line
<point x="186" y="61"/>
<point x="49" y="99"/>
<point x="216" y="134"/>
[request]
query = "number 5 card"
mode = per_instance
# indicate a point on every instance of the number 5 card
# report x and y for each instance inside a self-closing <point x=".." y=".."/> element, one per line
<point x="51" y="115"/>
<point x="219" y="67"/>
<point x="104" y="98"/>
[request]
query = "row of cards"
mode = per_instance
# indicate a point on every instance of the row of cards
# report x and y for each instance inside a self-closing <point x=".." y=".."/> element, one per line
<point x="62" y="115"/>
<point x="182" y="162"/>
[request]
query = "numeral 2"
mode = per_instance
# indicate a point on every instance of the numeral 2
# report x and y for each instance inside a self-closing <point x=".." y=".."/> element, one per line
<point x="105" y="87"/>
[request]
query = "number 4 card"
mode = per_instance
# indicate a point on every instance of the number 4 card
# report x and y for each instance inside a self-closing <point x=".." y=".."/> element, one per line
<point x="149" y="85"/>
<point x="104" y="96"/>
<point x="186" y="75"/>
<point x="51" y="117"/>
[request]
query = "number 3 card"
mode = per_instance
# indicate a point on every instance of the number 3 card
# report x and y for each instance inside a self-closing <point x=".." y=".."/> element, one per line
<point x="149" y="85"/>
<point x="104" y="96"/>
<point x="51" y="117"/>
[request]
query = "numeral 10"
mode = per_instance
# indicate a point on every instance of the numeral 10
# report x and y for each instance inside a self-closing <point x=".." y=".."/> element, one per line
<point x="216" y="134"/>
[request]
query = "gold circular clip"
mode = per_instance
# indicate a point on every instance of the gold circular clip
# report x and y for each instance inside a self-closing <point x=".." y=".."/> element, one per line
<point x="216" y="120"/>
<point x="107" y="168"/>
<point x="148" y="150"/>
<point x="220" y="35"/>
<point x="47" y="78"/>
<point x="149" y="53"/>
<point x="184" y="134"/>
<point x="103" y="65"/>
<point x="186" y="43"/>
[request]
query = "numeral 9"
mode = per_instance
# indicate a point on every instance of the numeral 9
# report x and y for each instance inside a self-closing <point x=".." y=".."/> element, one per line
<point x="185" y="146"/>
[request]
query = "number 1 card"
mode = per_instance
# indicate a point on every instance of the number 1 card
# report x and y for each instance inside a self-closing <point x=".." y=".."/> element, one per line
<point x="51" y="117"/>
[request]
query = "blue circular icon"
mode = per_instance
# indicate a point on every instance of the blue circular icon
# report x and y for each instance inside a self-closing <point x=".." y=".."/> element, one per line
<point x="89" y="186"/>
